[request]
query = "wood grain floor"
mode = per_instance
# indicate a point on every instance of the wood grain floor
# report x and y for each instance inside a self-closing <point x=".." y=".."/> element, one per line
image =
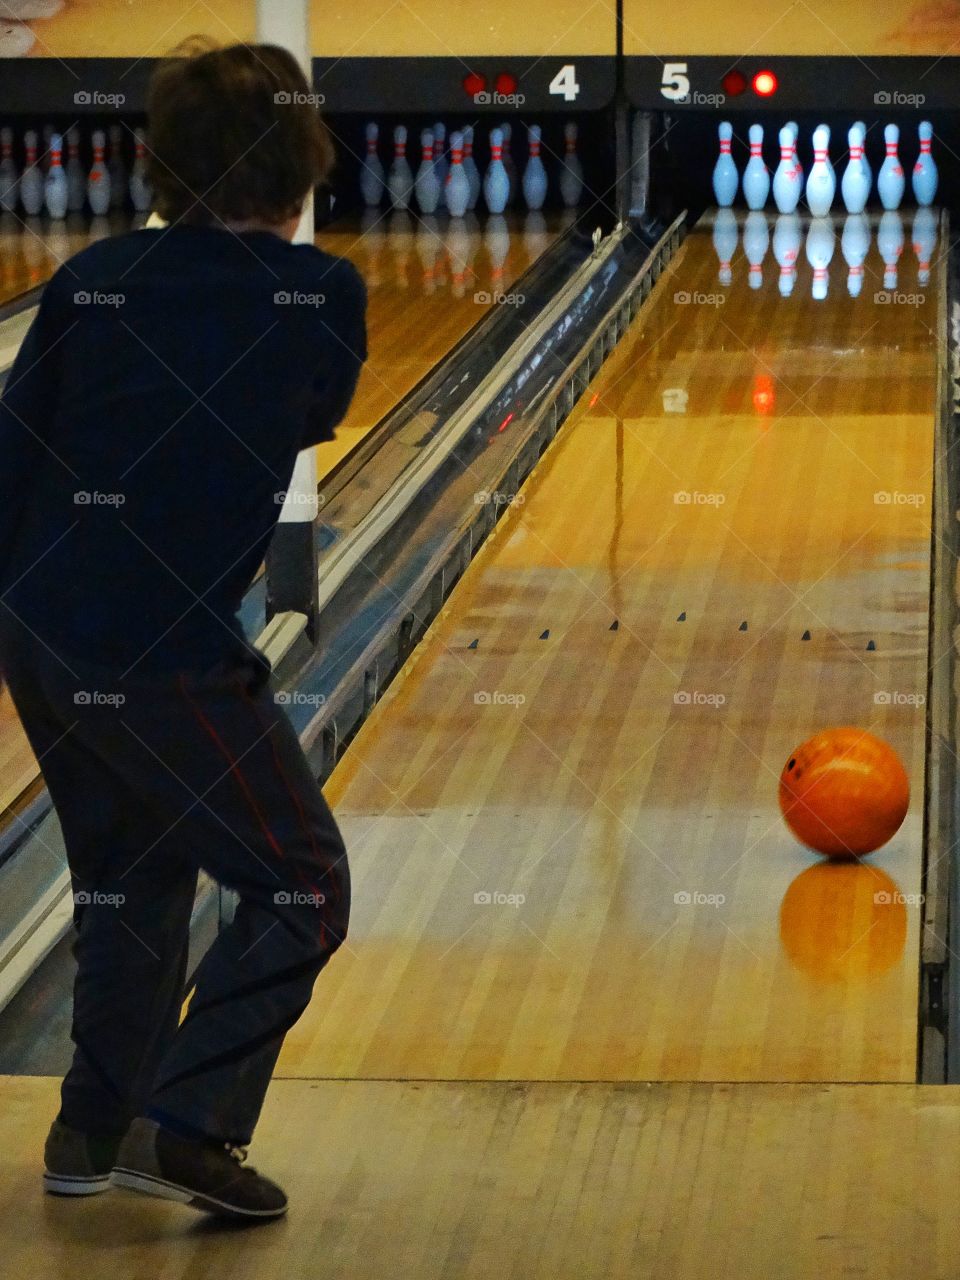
<point x="617" y="787"/>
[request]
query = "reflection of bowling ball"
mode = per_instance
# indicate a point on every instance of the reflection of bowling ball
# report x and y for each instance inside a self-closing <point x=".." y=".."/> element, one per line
<point x="843" y="922"/>
<point x="844" y="792"/>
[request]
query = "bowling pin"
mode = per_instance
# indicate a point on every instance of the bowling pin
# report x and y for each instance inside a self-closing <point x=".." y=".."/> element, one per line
<point x="855" y="245"/>
<point x="794" y="135"/>
<point x="890" y="237"/>
<point x="890" y="181"/>
<point x="496" y="184"/>
<point x="31" y="180"/>
<point x="571" y="171"/>
<point x="55" y="183"/>
<point x="787" y="238"/>
<point x="119" y="182"/>
<point x="725" y="236"/>
<point x="426" y="185"/>
<point x="756" y="176"/>
<point x="821" y="180"/>
<point x="98" y="179"/>
<point x="756" y="242"/>
<point x="725" y="176"/>
<point x="865" y="158"/>
<point x="507" y="130"/>
<point x="534" y="175"/>
<point x="855" y="185"/>
<point x="400" y="178"/>
<point x="820" y="245"/>
<point x="457" y="193"/>
<point x="788" y="179"/>
<point x="76" y="178"/>
<point x="141" y="192"/>
<point x="440" y="164"/>
<point x="925" y="170"/>
<point x="924" y="240"/>
<point x="470" y="167"/>
<point x="9" y="177"/>
<point x="371" y="172"/>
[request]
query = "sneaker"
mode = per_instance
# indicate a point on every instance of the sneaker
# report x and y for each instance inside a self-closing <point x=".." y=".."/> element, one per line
<point x="78" y="1164"/>
<point x="205" y="1175"/>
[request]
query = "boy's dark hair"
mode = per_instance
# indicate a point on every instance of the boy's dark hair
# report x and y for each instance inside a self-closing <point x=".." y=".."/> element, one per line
<point x="234" y="136"/>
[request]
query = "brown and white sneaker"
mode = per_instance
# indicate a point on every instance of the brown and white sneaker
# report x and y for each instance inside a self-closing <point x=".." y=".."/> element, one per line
<point x="204" y="1175"/>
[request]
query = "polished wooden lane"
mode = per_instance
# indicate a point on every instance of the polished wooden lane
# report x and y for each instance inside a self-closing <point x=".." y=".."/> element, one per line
<point x="534" y="1182"/>
<point x="569" y="862"/>
<point x="32" y="249"/>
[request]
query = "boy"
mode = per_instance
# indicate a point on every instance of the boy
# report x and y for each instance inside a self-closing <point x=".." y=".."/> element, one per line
<point x="154" y="412"/>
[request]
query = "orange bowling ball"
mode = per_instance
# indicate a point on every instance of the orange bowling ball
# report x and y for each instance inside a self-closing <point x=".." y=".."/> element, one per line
<point x="844" y="792"/>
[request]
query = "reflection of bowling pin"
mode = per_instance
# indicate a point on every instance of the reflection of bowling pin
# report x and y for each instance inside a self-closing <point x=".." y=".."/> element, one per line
<point x="820" y="245"/>
<point x="891" y="182"/>
<point x="571" y="171"/>
<point x="470" y="167"/>
<point x="788" y="179"/>
<point x="821" y="180"/>
<point x="457" y="244"/>
<point x="890" y="237"/>
<point x="31" y="180"/>
<point x="401" y="244"/>
<point x="496" y="183"/>
<point x="855" y="245"/>
<point x="725" y="236"/>
<point x="756" y="176"/>
<point x="55" y="183"/>
<point x="457" y="192"/>
<point x="535" y="239"/>
<point x="925" y="170"/>
<point x="756" y="241"/>
<point x="534" y="175"/>
<point x="428" y="246"/>
<point x="496" y="239"/>
<point x="924" y="239"/>
<point x="9" y="178"/>
<point x="786" y="249"/>
<point x="98" y="180"/>
<point x="855" y="185"/>
<point x="400" y="177"/>
<point x="426" y="185"/>
<point x="371" y="171"/>
<point x="725" y="176"/>
<point x="76" y="178"/>
<point x="372" y="241"/>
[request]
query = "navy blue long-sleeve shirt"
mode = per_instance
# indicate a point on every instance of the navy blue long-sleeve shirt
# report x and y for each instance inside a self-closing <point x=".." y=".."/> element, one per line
<point x="151" y="419"/>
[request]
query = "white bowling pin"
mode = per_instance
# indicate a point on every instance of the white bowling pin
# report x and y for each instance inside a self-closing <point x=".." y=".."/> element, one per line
<point x="725" y="176"/>
<point x="794" y="135"/>
<point x="571" y="171"/>
<point x="855" y="245"/>
<point x="821" y="180"/>
<point x="924" y="240"/>
<point x="31" y="180"/>
<point x="496" y="184"/>
<point x="855" y="185"/>
<point x="457" y="192"/>
<point x="865" y="157"/>
<point x="470" y="167"/>
<point x="925" y="170"/>
<point x="118" y="170"/>
<point x="400" y="177"/>
<point x="76" y="178"/>
<point x="820" y="245"/>
<point x="9" y="176"/>
<point x="787" y="238"/>
<point x="788" y="179"/>
<point x="890" y="238"/>
<point x="891" y="182"/>
<point x="98" y="179"/>
<point x="426" y="185"/>
<point x="725" y="236"/>
<point x="55" y="184"/>
<point x="371" y="171"/>
<point x="756" y="176"/>
<point x="534" y="175"/>
<point x="756" y="242"/>
<point x="141" y="192"/>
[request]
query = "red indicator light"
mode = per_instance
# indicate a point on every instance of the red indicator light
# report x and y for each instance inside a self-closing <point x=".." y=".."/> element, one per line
<point x="506" y="83"/>
<point x="734" y="83"/>
<point x="506" y="422"/>
<point x="474" y="83"/>
<point x="764" y="83"/>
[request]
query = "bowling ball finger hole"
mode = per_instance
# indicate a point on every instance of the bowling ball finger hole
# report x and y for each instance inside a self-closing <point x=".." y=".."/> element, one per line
<point x="791" y="764"/>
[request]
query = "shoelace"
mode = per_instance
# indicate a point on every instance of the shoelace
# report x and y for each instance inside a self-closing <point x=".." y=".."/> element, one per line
<point x="236" y="1153"/>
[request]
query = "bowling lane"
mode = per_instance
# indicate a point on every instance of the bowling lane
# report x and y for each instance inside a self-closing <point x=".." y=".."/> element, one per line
<point x="429" y="281"/>
<point x="568" y="858"/>
<point x="32" y="249"/>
